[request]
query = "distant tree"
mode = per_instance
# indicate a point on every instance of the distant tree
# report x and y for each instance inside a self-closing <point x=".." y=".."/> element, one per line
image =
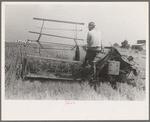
<point x="125" y="44"/>
<point x="116" y="45"/>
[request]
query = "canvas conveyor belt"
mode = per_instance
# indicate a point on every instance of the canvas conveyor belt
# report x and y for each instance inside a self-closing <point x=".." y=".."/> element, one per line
<point x="86" y="75"/>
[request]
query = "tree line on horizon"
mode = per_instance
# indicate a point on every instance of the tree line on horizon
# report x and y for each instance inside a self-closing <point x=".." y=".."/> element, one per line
<point x="124" y="44"/>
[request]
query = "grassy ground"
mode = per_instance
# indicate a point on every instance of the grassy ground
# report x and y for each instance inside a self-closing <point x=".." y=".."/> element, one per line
<point x="50" y="90"/>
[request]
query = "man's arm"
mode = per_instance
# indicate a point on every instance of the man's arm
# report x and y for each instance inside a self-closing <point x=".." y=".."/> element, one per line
<point x="88" y="38"/>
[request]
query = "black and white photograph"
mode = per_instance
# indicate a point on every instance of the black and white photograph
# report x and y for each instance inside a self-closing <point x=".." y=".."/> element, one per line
<point x="75" y="53"/>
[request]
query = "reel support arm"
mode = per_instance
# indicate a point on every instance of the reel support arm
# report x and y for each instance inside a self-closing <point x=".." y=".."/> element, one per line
<point x="54" y="35"/>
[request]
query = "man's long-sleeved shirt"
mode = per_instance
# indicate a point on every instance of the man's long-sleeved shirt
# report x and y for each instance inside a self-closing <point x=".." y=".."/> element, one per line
<point x="94" y="38"/>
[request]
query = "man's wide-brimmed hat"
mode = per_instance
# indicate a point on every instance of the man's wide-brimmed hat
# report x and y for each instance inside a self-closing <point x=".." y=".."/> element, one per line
<point x="91" y="24"/>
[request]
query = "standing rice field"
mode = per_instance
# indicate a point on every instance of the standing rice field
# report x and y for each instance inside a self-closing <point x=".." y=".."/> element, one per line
<point x="17" y="89"/>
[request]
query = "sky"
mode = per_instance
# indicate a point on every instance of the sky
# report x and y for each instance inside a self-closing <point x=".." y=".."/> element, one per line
<point x="117" y="21"/>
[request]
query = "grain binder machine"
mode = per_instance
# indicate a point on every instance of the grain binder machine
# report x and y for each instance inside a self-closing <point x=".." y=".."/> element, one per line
<point x="49" y="64"/>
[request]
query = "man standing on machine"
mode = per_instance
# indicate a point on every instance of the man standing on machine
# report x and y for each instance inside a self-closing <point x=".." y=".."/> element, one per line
<point x="93" y="44"/>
